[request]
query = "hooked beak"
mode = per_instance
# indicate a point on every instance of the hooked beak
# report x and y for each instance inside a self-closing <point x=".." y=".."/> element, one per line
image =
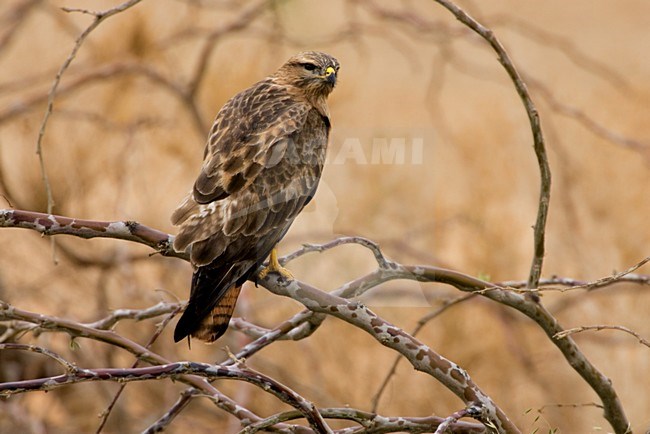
<point x="330" y="75"/>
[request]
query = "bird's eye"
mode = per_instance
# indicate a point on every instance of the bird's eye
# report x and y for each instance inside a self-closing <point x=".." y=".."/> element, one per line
<point x="309" y="66"/>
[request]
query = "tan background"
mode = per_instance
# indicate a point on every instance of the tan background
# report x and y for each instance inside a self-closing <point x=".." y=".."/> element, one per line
<point x="122" y="146"/>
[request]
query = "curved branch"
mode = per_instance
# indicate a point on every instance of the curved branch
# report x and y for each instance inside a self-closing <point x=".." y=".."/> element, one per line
<point x="421" y="323"/>
<point x="575" y="330"/>
<point x="421" y="357"/>
<point x="382" y="262"/>
<point x="51" y="323"/>
<point x="69" y="367"/>
<point x="118" y="315"/>
<point x="99" y="18"/>
<point x="50" y="224"/>
<point x="173" y="370"/>
<point x="614" y="412"/>
<point x="613" y="409"/>
<point x="174" y="410"/>
<point x="371" y="422"/>
<point x="535" y="125"/>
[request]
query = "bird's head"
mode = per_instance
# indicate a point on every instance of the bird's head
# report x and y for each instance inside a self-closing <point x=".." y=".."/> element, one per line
<point x="312" y="71"/>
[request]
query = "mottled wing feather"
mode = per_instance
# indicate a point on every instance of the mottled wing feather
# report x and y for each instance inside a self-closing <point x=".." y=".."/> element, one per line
<point x="185" y="210"/>
<point x="261" y="167"/>
<point x="250" y="215"/>
<point x="249" y="134"/>
<point x="236" y="157"/>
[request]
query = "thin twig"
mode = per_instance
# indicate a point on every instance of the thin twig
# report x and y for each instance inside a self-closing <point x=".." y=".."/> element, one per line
<point x="608" y="280"/>
<point x="446" y="424"/>
<point x="49" y="323"/>
<point x="69" y="367"/>
<point x="167" y="418"/>
<point x="538" y="137"/>
<point x="117" y="315"/>
<point x="365" y="242"/>
<point x="563" y="334"/>
<point x="99" y="17"/>
<point x="174" y="370"/>
<point x="159" y="329"/>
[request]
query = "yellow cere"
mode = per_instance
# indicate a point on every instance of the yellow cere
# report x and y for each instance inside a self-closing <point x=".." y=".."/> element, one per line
<point x="329" y="71"/>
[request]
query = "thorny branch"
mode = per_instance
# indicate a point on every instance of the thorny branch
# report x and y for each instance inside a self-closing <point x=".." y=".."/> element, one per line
<point x="173" y="370"/>
<point x="304" y="323"/>
<point x="538" y="137"/>
<point x="99" y="17"/>
<point x="360" y="316"/>
<point x="159" y="329"/>
<point x="47" y="323"/>
<point x="371" y="422"/>
<point x="563" y="334"/>
<point x="69" y="367"/>
<point x="174" y="410"/>
<point x="124" y="230"/>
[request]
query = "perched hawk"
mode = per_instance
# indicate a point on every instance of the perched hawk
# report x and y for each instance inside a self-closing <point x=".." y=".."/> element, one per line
<point x="261" y="166"/>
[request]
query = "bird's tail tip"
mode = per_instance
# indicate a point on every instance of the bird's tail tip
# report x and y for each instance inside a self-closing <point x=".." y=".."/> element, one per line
<point x="213" y="325"/>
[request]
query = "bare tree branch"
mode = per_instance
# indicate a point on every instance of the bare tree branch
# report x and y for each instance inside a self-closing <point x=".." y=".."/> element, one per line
<point x="99" y="17"/>
<point x="49" y="224"/>
<point x="563" y="334"/>
<point x="371" y="423"/>
<point x="395" y="26"/>
<point x="538" y="137"/>
<point x="53" y="324"/>
<point x="421" y="323"/>
<point x="369" y="244"/>
<point x="609" y="280"/>
<point x="159" y="329"/>
<point x="541" y="316"/>
<point x="174" y="410"/>
<point x="174" y="370"/>
<point x="552" y="283"/>
<point x="446" y="424"/>
<point x="421" y="357"/>
<point x="69" y="367"/>
<point x="584" y="119"/>
<point x="614" y="412"/>
<point x="117" y="315"/>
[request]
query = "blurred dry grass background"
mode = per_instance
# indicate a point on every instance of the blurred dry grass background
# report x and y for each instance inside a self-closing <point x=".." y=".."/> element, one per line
<point x="121" y="145"/>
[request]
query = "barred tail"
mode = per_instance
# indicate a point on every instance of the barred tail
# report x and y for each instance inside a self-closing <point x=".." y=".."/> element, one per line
<point x="210" y="307"/>
<point x="216" y="322"/>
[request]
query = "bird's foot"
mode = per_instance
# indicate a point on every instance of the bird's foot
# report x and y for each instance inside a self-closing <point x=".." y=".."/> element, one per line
<point x="275" y="267"/>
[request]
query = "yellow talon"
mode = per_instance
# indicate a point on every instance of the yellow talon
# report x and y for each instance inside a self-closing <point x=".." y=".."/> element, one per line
<point x="275" y="267"/>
